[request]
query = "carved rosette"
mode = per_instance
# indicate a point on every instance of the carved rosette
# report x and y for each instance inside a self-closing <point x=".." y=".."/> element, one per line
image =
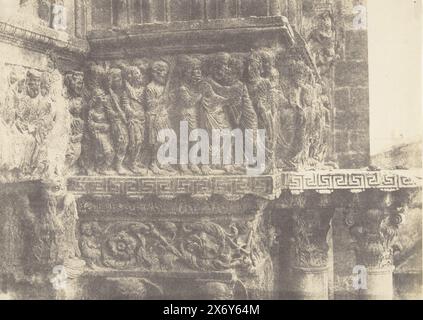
<point x="174" y="245"/>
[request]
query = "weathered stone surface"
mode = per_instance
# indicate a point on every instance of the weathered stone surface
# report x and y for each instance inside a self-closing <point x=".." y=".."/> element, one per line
<point x="88" y="211"/>
<point x="351" y="73"/>
<point x="356" y="45"/>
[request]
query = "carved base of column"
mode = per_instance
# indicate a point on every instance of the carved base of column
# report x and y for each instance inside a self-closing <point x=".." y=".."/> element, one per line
<point x="175" y="285"/>
<point x="379" y="285"/>
<point x="309" y="283"/>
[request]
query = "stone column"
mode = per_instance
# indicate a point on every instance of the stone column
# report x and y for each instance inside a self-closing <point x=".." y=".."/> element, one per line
<point x="373" y="219"/>
<point x="309" y="251"/>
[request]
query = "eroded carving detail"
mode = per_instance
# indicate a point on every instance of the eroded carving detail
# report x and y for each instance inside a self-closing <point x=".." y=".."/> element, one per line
<point x="309" y="247"/>
<point x="34" y="124"/>
<point x="218" y="91"/>
<point x="374" y="230"/>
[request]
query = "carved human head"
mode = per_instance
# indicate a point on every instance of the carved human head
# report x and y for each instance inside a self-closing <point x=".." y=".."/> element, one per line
<point x="254" y="66"/>
<point x="99" y="98"/>
<point x="221" y="67"/>
<point x="33" y="80"/>
<point x="191" y="69"/>
<point x="115" y="78"/>
<point x="326" y="21"/>
<point x="268" y="61"/>
<point x="95" y="76"/>
<point x="133" y="75"/>
<point x="74" y="82"/>
<point x="159" y="71"/>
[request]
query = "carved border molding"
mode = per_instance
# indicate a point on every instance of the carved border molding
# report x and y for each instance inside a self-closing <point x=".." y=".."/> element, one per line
<point x="231" y="187"/>
<point x="192" y="36"/>
<point x="236" y="187"/>
<point x="353" y="180"/>
<point x="38" y="38"/>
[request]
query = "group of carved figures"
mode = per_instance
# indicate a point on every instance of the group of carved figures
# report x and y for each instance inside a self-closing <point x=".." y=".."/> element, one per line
<point x="34" y="123"/>
<point x="108" y="119"/>
<point x="128" y="103"/>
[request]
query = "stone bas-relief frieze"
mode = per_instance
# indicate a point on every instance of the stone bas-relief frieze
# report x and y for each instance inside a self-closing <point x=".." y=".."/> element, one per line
<point x="127" y="102"/>
<point x="34" y="124"/>
<point x="106" y="119"/>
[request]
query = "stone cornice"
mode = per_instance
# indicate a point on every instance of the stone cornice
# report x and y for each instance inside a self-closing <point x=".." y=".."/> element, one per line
<point x="190" y="36"/>
<point x="42" y="39"/>
<point x="236" y="187"/>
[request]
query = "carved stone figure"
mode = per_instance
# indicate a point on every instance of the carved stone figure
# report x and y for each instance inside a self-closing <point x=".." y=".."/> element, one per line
<point x="270" y="72"/>
<point x="156" y="101"/>
<point x="118" y="102"/>
<point x="12" y="142"/>
<point x="228" y="104"/>
<point x="14" y="92"/>
<point x="35" y="119"/>
<point x="261" y="93"/>
<point x="94" y="85"/>
<point x="322" y="43"/>
<point x="291" y="120"/>
<point x="99" y="130"/>
<point x="316" y="119"/>
<point x="55" y="240"/>
<point x="60" y="134"/>
<point x="89" y="244"/>
<point x="134" y="111"/>
<point x="190" y="95"/>
<point x="74" y="83"/>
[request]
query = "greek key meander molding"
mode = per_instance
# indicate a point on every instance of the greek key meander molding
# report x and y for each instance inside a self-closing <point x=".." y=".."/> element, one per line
<point x="237" y="186"/>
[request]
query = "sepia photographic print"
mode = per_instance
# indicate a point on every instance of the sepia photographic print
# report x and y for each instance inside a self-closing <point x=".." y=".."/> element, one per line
<point x="210" y="150"/>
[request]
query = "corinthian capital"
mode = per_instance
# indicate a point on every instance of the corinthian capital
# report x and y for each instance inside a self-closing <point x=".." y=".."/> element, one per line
<point x="374" y="219"/>
<point x="309" y="247"/>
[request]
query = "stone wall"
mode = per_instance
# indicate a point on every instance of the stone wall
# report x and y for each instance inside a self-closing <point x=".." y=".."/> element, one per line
<point x="351" y="97"/>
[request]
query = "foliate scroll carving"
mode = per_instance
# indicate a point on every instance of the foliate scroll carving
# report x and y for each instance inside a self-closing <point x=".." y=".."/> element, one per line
<point x="174" y="246"/>
<point x="374" y="230"/>
<point x="90" y="207"/>
<point x="309" y="247"/>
